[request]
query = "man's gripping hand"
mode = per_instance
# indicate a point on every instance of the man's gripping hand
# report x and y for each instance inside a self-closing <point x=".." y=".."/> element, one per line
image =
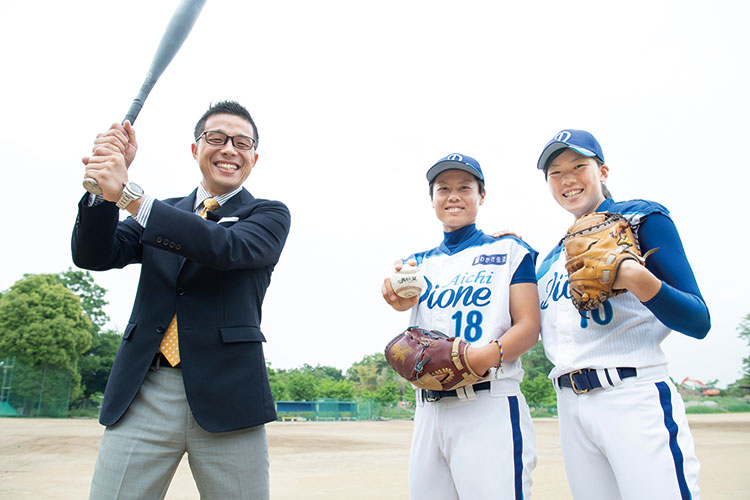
<point x="113" y="152"/>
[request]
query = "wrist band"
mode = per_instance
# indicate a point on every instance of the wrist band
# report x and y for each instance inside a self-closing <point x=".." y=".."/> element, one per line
<point x="499" y="346"/>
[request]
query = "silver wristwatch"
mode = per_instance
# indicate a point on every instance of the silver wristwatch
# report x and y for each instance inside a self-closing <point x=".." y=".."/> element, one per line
<point x="130" y="192"/>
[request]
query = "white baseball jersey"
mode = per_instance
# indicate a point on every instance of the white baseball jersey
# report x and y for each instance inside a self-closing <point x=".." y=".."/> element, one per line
<point x="467" y="293"/>
<point x="622" y="332"/>
<point x="629" y="439"/>
<point x="478" y="445"/>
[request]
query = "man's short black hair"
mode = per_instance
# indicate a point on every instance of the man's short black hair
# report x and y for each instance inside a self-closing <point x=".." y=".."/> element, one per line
<point x="225" y="108"/>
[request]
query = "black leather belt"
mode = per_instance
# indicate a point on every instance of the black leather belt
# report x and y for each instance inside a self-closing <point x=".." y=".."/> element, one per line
<point x="161" y="361"/>
<point x="432" y="396"/>
<point x="582" y="381"/>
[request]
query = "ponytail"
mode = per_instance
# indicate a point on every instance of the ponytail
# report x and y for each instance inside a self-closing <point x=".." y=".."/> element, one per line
<point x="605" y="190"/>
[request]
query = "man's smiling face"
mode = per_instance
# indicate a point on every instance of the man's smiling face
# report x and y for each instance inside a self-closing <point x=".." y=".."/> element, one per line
<point x="224" y="168"/>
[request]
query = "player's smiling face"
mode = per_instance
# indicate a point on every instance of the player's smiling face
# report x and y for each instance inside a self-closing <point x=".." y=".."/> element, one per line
<point x="456" y="199"/>
<point x="224" y="168"/>
<point x="575" y="182"/>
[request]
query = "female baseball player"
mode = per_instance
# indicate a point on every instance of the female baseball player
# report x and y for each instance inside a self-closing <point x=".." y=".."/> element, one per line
<point x="623" y="428"/>
<point x="476" y="442"/>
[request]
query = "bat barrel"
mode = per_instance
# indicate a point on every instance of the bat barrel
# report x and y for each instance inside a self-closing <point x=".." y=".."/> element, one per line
<point x="177" y="31"/>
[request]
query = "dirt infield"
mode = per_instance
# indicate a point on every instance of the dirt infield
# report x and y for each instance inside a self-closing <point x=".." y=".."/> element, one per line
<point x="54" y="459"/>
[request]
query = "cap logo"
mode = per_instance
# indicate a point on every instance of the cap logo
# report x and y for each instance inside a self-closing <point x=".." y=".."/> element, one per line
<point x="563" y="136"/>
<point x="455" y="157"/>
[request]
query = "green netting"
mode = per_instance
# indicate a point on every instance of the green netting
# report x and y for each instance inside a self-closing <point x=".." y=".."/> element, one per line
<point x="334" y="409"/>
<point x="33" y="390"/>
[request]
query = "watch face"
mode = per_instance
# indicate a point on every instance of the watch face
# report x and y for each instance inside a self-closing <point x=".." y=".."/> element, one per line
<point x="135" y="188"/>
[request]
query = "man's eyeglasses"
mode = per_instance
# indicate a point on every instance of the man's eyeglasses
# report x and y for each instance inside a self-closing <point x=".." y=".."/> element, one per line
<point x="216" y="138"/>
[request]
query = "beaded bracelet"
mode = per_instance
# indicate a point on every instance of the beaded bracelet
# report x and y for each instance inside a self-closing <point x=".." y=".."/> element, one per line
<point x="499" y="346"/>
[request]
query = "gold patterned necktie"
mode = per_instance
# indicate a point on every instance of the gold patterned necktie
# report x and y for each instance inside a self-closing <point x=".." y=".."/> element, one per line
<point x="170" y="346"/>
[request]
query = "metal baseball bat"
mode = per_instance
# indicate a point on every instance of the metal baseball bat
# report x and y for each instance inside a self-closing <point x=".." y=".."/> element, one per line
<point x="177" y="31"/>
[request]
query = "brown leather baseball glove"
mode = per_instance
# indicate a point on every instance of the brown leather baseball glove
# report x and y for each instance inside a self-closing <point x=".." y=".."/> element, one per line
<point x="596" y="245"/>
<point x="431" y="360"/>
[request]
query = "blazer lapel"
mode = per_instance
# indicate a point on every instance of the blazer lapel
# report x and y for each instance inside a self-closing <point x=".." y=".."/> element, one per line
<point x="232" y="205"/>
<point x="187" y="202"/>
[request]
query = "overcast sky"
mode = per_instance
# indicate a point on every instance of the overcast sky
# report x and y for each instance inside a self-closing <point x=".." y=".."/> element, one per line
<point x="354" y="101"/>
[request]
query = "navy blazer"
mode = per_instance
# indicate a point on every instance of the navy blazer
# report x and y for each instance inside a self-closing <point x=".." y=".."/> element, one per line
<point x="214" y="276"/>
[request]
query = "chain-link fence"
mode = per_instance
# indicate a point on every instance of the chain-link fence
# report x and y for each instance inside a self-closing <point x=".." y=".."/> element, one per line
<point x="33" y="390"/>
<point x="334" y="409"/>
<point x="44" y="391"/>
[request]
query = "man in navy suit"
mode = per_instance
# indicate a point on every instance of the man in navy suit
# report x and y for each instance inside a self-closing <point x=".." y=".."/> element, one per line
<point x="190" y="375"/>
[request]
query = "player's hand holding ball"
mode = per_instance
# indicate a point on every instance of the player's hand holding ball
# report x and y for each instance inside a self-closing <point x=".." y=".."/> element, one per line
<point x="401" y="291"/>
<point x="408" y="281"/>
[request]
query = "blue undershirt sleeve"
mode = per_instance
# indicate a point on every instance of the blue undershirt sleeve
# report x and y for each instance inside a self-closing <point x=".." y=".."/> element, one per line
<point x="525" y="272"/>
<point x="679" y="304"/>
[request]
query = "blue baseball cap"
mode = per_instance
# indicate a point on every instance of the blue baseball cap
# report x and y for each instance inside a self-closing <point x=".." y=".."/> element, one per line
<point x="455" y="161"/>
<point x="580" y="141"/>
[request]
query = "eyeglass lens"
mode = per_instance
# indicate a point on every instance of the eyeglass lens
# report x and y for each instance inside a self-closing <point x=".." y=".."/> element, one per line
<point x="220" y="138"/>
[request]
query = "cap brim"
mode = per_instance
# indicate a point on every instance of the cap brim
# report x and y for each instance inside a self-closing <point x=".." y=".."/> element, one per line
<point x="554" y="147"/>
<point x="441" y="167"/>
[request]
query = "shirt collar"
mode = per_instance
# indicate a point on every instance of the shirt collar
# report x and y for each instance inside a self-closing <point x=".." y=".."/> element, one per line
<point x="202" y="194"/>
<point x="454" y="239"/>
<point x="605" y="205"/>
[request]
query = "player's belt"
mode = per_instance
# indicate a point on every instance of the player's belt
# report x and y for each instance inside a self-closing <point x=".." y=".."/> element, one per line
<point x="432" y="396"/>
<point x="582" y="381"/>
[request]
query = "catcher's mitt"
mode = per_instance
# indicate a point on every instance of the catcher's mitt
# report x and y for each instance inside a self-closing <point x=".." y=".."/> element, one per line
<point x="430" y="359"/>
<point x="596" y="245"/>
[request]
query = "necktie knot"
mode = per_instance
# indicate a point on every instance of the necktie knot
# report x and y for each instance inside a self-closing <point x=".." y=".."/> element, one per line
<point x="209" y="204"/>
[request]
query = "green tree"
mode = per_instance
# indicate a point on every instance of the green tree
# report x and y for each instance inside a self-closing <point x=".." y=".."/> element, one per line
<point x="277" y="380"/>
<point x="374" y="372"/>
<point x="744" y="329"/>
<point x="371" y="372"/>
<point x="388" y="393"/>
<point x="92" y="295"/>
<point x="741" y="387"/>
<point x="538" y="391"/>
<point x="337" y="389"/>
<point x="536" y="387"/>
<point x="42" y="323"/>
<point x="301" y="386"/>
<point x="96" y="363"/>
<point x="535" y="362"/>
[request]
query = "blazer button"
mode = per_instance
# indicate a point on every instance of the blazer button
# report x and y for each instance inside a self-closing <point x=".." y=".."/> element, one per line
<point x="158" y="239"/>
<point x="177" y="246"/>
<point x="160" y="329"/>
<point x="165" y="241"/>
<point x="171" y="244"/>
<point x="180" y="291"/>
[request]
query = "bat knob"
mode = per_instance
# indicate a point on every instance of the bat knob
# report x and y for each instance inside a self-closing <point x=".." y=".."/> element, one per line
<point x="91" y="186"/>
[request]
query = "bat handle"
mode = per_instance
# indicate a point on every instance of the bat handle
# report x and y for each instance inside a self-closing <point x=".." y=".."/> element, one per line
<point x="90" y="184"/>
<point x="135" y="108"/>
